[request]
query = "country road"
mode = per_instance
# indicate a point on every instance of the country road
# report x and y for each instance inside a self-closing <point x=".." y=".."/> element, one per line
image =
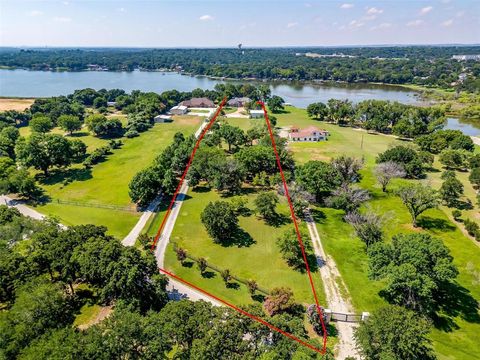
<point x="335" y="299"/>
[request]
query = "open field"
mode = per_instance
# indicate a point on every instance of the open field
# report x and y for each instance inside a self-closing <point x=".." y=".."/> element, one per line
<point x="107" y="182"/>
<point x="259" y="259"/>
<point x="18" y="104"/>
<point x="348" y="251"/>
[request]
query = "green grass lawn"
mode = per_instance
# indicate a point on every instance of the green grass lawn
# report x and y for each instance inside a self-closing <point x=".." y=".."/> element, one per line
<point x="260" y="261"/>
<point x="107" y="182"/>
<point x="348" y="251"/>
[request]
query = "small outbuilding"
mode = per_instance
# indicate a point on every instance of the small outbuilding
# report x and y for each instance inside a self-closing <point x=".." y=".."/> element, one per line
<point x="178" y="110"/>
<point x="198" y="103"/>
<point x="238" y="101"/>
<point x="255" y="114"/>
<point x="162" y="118"/>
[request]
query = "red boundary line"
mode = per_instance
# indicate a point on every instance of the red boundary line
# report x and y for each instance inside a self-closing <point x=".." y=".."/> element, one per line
<point x="177" y="190"/>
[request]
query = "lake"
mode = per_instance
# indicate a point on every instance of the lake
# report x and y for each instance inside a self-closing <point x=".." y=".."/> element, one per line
<point x="25" y="83"/>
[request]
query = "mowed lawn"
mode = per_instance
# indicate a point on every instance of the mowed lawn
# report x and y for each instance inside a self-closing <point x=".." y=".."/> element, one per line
<point x="460" y="342"/>
<point x="107" y="182"/>
<point x="260" y="261"/>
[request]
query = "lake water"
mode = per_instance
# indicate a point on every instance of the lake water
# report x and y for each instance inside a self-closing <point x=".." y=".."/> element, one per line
<point x="25" y="83"/>
<point x="44" y="83"/>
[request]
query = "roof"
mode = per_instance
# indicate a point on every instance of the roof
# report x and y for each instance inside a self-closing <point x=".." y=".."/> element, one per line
<point x="237" y="100"/>
<point x="256" y="111"/>
<point x="198" y="102"/>
<point x="179" y="107"/>
<point x="162" y="117"/>
<point x="309" y="131"/>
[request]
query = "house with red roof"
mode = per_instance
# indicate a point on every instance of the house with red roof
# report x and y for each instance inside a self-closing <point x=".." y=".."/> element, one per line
<point x="311" y="133"/>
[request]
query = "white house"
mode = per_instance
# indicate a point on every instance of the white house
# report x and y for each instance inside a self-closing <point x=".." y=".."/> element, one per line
<point x="162" y="118"/>
<point x="255" y="114"/>
<point x="310" y="133"/>
<point x="179" y="110"/>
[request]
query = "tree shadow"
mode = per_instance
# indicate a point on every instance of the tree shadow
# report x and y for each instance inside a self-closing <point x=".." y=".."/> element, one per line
<point x="429" y="223"/>
<point x="232" y="285"/>
<point x="201" y="189"/>
<point x="258" y="297"/>
<point x="66" y="176"/>
<point x="187" y="264"/>
<point x="278" y="220"/>
<point x="208" y="274"/>
<point x="240" y="238"/>
<point x="453" y="301"/>
<point x="318" y="215"/>
<point x="463" y="205"/>
<point x="331" y="330"/>
<point x="79" y="134"/>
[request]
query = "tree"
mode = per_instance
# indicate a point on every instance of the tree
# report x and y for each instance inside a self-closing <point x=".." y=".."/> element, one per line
<point x="318" y="178"/>
<point x="70" y="123"/>
<point x="453" y="159"/>
<point x="474" y="177"/>
<point x="368" y="226"/>
<point x="42" y="151"/>
<point x="387" y="171"/>
<point x="145" y="185"/>
<point x="252" y="286"/>
<point x="265" y="204"/>
<point x="317" y="110"/>
<point x="232" y="135"/>
<point x="258" y="158"/>
<point x="417" y="268"/>
<point x="451" y="190"/>
<point x="39" y="307"/>
<point x="275" y="103"/>
<point x="220" y="220"/>
<point x="347" y="198"/>
<point x="103" y="127"/>
<point x="292" y="252"/>
<point x="406" y="156"/>
<point x="181" y="254"/>
<point x="202" y="265"/>
<point x="348" y="168"/>
<point x="226" y="276"/>
<point x="99" y="102"/>
<point x="8" y="137"/>
<point x="41" y="124"/>
<point x="279" y="300"/>
<point x="394" y="333"/>
<point x="418" y="198"/>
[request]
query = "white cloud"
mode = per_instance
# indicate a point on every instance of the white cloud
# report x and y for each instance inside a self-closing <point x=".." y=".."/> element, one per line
<point x="122" y="10"/>
<point x="447" y="23"/>
<point x="426" y="10"/>
<point x="346" y="6"/>
<point x="35" y="13"/>
<point x="308" y="5"/>
<point x="356" y="24"/>
<point x="374" y="11"/>
<point x="381" y="26"/>
<point x="460" y="14"/>
<point x="414" y="23"/>
<point x="291" y="25"/>
<point x="62" y="19"/>
<point x="206" y="18"/>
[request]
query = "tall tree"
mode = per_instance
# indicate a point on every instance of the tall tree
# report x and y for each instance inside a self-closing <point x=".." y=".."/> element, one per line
<point x="387" y="171"/>
<point x="220" y="220"/>
<point x="394" y="333"/>
<point x="418" y="198"/>
<point x="69" y="123"/>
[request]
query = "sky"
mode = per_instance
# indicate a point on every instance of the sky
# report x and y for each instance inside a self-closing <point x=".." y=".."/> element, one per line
<point x="226" y="23"/>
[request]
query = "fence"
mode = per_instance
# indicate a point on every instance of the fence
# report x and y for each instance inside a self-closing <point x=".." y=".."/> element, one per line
<point x="219" y="270"/>
<point x="346" y="317"/>
<point x="95" y="205"/>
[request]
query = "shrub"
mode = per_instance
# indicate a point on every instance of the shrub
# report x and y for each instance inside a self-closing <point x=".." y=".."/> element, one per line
<point x="472" y="228"/>
<point x="457" y="214"/>
<point x="131" y="134"/>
